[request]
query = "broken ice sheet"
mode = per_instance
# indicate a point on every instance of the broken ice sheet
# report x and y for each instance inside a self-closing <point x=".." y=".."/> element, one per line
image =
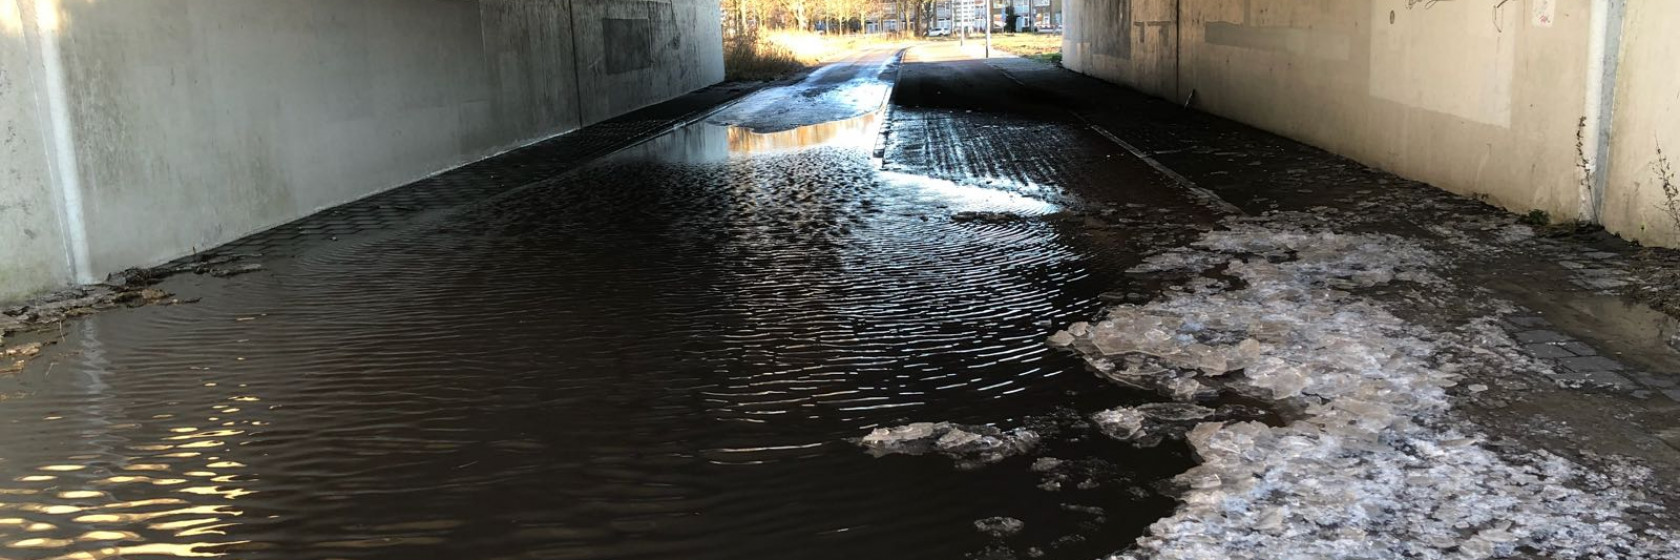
<point x="1374" y="467"/>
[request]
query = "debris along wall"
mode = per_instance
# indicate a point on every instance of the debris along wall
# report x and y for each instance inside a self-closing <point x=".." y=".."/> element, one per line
<point x="1483" y="97"/>
<point x="194" y="122"/>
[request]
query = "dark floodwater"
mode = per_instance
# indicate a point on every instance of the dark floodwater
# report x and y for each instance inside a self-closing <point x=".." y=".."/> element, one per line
<point x="659" y="356"/>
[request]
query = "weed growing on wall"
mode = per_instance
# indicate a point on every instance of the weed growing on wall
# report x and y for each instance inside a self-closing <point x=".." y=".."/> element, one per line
<point x="1671" y="191"/>
<point x="1581" y="163"/>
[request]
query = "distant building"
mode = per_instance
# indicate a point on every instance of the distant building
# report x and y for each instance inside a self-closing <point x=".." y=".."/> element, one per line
<point x="953" y="16"/>
<point x="1030" y="15"/>
<point x="887" y="17"/>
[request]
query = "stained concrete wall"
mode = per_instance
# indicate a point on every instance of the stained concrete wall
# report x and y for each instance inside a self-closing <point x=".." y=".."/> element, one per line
<point x="1647" y="119"/>
<point x="33" y="253"/>
<point x="1483" y="98"/>
<point x="195" y="122"/>
<point x="642" y="46"/>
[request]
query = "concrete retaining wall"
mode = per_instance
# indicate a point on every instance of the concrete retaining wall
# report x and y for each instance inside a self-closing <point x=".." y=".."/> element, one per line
<point x="1647" y="119"/>
<point x="194" y="122"/>
<point x="644" y="45"/>
<point x="1483" y="98"/>
<point x="32" y="247"/>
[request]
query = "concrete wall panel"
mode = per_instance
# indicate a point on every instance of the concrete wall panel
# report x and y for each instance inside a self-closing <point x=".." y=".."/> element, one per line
<point x="198" y="121"/>
<point x="1647" y="119"/>
<point x="238" y="115"/>
<point x="33" y="252"/>
<point x="1476" y="99"/>
<point x="682" y="38"/>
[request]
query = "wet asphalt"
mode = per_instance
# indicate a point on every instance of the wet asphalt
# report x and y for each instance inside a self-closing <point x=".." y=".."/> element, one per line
<point x="660" y="354"/>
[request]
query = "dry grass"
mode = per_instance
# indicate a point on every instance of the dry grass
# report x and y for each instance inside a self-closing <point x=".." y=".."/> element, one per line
<point x="1039" y="46"/>
<point x="757" y="58"/>
<point x="774" y="55"/>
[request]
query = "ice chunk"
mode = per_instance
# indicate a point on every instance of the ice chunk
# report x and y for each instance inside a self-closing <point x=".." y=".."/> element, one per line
<point x="1122" y="423"/>
<point x="899" y="435"/>
<point x="1148" y="424"/>
<point x="970" y="444"/>
<point x="1243" y="355"/>
<point x="999" y="526"/>
<point x="1279" y="378"/>
<point x="958" y="439"/>
<point x="1181" y="388"/>
<point x="1174" y="412"/>
<point x="1046" y="464"/>
<point x="1079" y="329"/>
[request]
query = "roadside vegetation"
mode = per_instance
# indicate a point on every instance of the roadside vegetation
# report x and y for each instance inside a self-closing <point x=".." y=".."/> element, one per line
<point x="757" y="58"/>
<point x="1046" y="47"/>
<point x="773" y="55"/>
<point x="1038" y="46"/>
<point x="774" y="39"/>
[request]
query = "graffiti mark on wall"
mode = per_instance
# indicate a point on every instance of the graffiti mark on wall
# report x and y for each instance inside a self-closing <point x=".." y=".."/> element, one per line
<point x="1544" y="12"/>
<point x="1116" y="45"/>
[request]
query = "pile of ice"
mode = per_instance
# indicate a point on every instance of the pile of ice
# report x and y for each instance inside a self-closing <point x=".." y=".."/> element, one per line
<point x="968" y="444"/>
<point x="1310" y="255"/>
<point x="1370" y="468"/>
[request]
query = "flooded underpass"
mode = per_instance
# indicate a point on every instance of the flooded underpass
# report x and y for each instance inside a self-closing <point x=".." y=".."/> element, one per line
<point x="917" y="305"/>
<point x="669" y="353"/>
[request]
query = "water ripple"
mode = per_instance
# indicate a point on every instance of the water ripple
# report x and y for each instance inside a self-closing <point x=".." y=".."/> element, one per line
<point x="657" y="356"/>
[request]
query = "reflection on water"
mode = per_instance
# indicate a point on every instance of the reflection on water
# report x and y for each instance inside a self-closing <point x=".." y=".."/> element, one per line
<point x="91" y="476"/>
<point x="857" y="131"/>
<point x="1634" y="332"/>
<point x="661" y="355"/>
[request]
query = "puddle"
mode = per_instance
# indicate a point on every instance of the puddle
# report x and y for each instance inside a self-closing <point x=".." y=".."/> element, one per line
<point x="1632" y="332"/>
<point x="853" y="132"/>
<point x="663" y="355"/>
<point x="714" y="143"/>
